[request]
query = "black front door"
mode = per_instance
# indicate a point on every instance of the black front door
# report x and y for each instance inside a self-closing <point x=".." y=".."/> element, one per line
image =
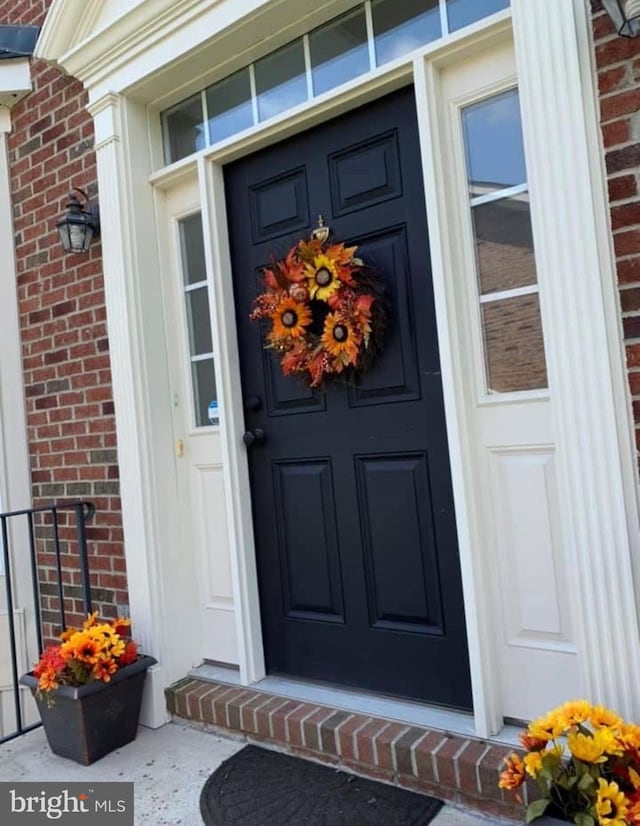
<point x="353" y="511"/>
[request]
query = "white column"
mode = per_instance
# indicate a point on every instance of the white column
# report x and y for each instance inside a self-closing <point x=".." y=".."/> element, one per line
<point x="584" y="352"/>
<point x="15" y="484"/>
<point x="141" y="392"/>
<point x="15" y="479"/>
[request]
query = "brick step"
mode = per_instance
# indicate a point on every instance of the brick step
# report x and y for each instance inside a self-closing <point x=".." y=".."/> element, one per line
<point x="458" y="769"/>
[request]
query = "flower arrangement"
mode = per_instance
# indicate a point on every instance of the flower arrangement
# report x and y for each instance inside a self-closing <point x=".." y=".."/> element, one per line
<point x="324" y="308"/>
<point x="585" y="760"/>
<point x="84" y="655"/>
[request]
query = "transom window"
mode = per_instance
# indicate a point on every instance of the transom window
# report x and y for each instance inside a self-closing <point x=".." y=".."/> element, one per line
<point x="359" y="41"/>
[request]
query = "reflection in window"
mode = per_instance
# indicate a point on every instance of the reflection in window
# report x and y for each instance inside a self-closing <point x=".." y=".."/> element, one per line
<point x="463" y="12"/>
<point x="400" y="26"/>
<point x="339" y="51"/>
<point x="513" y="344"/>
<point x="229" y="106"/>
<point x="198" y="318"/>
<point x="281" y="81"/>
<point x="505" y="262"/>
<point x="493" y="142"/>
<point x="184" y="128"/>
<point x="504" y="244"/>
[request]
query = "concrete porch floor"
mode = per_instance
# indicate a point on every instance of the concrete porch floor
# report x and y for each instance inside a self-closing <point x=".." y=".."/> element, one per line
<point x="168" y="767"/>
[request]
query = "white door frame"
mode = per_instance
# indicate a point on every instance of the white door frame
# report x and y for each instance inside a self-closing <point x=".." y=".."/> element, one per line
<point x="597" y="495"/>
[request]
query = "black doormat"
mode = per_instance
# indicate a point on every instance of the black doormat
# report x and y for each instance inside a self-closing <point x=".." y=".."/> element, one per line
<point x="257" y="787"/>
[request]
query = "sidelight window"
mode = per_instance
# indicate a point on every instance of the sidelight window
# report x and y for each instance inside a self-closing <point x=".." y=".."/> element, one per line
<point x="370" y="35"/>
<point x="195" y="289"/>
<point x="505" y="264"/>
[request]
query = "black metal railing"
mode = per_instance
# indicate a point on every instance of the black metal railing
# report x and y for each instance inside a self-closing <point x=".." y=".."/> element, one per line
<point x="43" y="528"/>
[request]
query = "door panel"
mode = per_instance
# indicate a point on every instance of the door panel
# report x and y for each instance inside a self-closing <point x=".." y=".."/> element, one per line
<point x="353" y="511"/>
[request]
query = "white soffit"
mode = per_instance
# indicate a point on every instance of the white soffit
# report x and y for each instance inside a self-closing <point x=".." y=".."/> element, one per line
<point x="15" y="80"/>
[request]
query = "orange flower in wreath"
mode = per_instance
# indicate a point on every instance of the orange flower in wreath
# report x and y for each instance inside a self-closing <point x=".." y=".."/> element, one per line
<point x="290" y="318"/>
<point x="341" y="340"/>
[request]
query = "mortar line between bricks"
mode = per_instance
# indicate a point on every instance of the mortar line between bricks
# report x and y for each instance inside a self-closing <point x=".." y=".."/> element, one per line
<point x="287" y="733"/>
<point x="215" y="712"/>
<point x="456" y="768"/>
<point x="392" y="750"/>
<point x="374" y="744"/>
<point x="242" y="705"/>
<point x="477" y="767"/>
<point x="285" y="700"/>
<point x="356" y="750"/>
<point x="412" y="751"/>
<point x="267" y="699"/>
<point x="226" y="711"/>
<point x="212" y="690"/>
<point x="434" y="761"/>
<point x="329" y="713"/>
<point x="302" y="722"/>
<point x="337" y="733"/>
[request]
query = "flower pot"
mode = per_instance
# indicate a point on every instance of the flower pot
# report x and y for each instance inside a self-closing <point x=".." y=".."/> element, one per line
<point x="87" y="722"/>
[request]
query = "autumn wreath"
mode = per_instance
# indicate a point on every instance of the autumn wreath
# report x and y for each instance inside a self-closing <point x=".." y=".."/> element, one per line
<point x="326" y="311"/>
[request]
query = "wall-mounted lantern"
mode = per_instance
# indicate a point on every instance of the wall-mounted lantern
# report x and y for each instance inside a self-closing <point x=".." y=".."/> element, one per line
<point x="625" y="15"/>
<point x="80" y="224"/>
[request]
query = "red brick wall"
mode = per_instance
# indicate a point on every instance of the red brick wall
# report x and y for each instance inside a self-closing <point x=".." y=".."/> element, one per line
<point x="70" y="415"/>
<point x="618" y="64"/>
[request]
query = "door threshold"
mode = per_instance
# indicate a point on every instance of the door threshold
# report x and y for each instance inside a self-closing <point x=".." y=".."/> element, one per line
<point x="361" y="702"/>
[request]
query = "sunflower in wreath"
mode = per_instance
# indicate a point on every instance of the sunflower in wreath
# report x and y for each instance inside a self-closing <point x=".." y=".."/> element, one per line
<point x="325" y="309"/>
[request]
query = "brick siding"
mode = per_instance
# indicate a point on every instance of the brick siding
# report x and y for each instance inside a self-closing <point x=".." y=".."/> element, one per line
<point x="618" y="66"/>
<point x="69" y="405"/>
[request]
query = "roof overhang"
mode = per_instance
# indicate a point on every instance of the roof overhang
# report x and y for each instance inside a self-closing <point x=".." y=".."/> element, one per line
<point x="15" y="80"/>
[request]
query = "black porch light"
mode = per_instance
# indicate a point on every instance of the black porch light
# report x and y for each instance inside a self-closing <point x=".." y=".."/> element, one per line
<point x="625" y="15"/>
<point x="80" y="224"/>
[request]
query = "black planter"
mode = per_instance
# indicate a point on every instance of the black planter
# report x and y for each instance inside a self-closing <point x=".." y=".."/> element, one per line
<point x="87" y="722"/>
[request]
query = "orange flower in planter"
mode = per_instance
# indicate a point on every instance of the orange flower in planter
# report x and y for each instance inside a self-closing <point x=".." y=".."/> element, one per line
<point x="84" y="655"/>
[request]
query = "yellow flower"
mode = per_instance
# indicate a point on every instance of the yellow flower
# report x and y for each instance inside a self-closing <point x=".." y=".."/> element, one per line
<point x="533" y="763"/>
<point x="574" y="712"/>
<point x="549" y="727"/>
<point x="602" y="717"/>
<point x="628" y="736"/>
<point x="322" y="275"/>
<point x="593" y="748"/>
<point x="513" y="775"/>
<point x="611" y="805"/>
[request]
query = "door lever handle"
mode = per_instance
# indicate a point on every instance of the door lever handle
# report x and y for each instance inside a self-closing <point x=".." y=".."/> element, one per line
<point x="254" y="437"/>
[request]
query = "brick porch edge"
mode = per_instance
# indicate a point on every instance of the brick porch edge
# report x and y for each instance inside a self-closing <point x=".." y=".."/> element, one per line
<point x="458" y="769"/>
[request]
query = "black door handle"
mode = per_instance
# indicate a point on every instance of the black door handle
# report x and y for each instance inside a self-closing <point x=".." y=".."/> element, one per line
<point x="254" y="437"/>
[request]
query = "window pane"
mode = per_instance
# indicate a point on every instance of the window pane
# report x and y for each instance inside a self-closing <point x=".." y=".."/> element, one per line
<point x="514" y="347"/>
<point x="199" y="321"/>
<point x="204" y="390"/>
<point x="192" y="249"/>
<point x="493" y="142"/>
<point x="402" y="25"/>
<point x="185" y="129"/>
<point x="229" y="106"/>
<point x="504" y="244"/>
<point x="339" y="51"/>
<point x="281" y="81"/>
<point x="463" y="12"/>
